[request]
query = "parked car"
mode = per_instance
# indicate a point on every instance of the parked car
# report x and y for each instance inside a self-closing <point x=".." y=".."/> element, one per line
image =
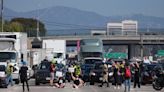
<point x="42" y="74"/>
<point x="3" y="77"/>
<point x="97" y="72"/>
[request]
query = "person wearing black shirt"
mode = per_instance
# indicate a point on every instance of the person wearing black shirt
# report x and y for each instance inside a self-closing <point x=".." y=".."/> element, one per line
<point x="23" y="76"/>
<point x="136" y="75"/>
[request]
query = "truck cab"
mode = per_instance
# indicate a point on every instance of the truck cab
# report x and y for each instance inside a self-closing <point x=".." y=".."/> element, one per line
<point x="12" y="45"/>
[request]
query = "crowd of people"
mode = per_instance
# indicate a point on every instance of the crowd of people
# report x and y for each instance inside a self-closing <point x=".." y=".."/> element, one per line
<point x="59" y="70"/>
<point x="122" y="74"/>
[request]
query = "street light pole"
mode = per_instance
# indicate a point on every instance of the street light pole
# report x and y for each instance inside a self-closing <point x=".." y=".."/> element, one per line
<point x="2" y="15"/>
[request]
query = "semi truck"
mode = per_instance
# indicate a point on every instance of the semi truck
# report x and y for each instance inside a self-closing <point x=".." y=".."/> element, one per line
<point x="91" y="52"/>
<point x="13" y="48"/>
<point x="90" y="48"/>
<point x="55" y="49"/>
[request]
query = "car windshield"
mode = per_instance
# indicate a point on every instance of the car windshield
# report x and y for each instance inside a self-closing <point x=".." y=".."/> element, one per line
<point x="7" y="56"/>
<point x="150" y="67"/>
<point x="92" y="61"/>
<point x="44" y="66"/>
<point x="98" y="65"/>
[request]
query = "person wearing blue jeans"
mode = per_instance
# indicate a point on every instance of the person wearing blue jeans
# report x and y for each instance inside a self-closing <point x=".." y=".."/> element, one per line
<point x="9" y="71"/>
<point x="9" y="80"/>
<point x="127" y="85"/>
<point x="127" y="78"/>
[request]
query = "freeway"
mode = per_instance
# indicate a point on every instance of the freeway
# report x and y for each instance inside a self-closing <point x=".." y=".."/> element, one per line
<point x="68" y="88"/>
<point x="110" y="39"/>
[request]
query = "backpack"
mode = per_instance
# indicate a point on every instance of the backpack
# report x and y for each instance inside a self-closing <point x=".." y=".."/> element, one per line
<point x="127" y="73"/>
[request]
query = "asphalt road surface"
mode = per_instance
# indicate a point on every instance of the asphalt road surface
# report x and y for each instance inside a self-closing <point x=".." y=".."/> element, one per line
<point x="68" y="88"/>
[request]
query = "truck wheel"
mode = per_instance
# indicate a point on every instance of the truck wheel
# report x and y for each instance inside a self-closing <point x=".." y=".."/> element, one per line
<point x="17" y="81"/>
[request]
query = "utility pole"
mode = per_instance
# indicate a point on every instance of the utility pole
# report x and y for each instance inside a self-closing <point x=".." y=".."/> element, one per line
<point x="2" y="15"/>
<point x="141" y="46"/>
<point x="37" y="19"/>
<point x="37" y="29"/>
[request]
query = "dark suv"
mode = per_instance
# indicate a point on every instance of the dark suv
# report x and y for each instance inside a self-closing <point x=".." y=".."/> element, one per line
<point x="42" y="74"/>
<point x="87" y="66"/>
<point x="97" y="72"/>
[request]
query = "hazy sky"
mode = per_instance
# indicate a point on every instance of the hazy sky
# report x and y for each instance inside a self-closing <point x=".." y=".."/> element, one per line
<point x="103" y="7"/>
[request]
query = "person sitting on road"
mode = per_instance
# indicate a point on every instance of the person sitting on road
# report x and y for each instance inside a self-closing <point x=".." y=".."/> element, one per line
<point x="77" y="82"/>
<point x="60" y="83"/>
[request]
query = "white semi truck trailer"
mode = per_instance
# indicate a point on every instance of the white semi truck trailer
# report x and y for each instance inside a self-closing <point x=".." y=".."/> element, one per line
<point x="55" y="49"/>
<point x="13" y="47"/>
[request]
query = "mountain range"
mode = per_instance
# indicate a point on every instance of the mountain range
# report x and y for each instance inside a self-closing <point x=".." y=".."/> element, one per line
<point x="66" y="20"/>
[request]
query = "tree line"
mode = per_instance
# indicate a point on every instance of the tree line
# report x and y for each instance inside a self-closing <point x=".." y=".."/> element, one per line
<point x="28" y="25"/>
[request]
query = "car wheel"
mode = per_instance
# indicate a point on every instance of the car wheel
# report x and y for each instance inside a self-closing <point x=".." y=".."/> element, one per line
<point x="92" y="82"/>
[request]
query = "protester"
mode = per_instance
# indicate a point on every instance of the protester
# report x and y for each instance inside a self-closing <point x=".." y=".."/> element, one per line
<point x="136" y="75"/>
<point x="77" y="81"/>
<point x="117" y="75"/>
<point x="77" y="69"/>
<point x="105" y="75"/>
<point x="9" y="71"/>
<point x="52" y="71"/>
<point x="122" y="69"/>
<point x="60" y="83"/>
<point x="69" y="71"/>
<point x="127" y="78"/>
<point x="23" y="76"/>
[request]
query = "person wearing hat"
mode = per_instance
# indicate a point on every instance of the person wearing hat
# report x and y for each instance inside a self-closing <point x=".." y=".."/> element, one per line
<point x="23" y="76"/>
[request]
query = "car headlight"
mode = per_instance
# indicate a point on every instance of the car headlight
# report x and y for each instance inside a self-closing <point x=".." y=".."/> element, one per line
<point x="93" y="73"/>
<point x="111" y="74"/>
<point x="2" y="74"/>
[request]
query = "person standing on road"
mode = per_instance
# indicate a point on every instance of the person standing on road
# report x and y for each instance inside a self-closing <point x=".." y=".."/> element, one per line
<point x="105" y="75"/>
<point x="117" y="75"/>
<point x="122" y="69"/>
<point x="23" y="76"/>
<point x="52" y="71"/>
<point x="9" y="71"/>
<point x="127" y="78"/>
<point x="136" y="75"/>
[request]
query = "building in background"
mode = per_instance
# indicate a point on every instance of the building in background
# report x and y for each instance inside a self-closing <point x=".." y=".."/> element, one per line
<point x="126" y="27"/>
